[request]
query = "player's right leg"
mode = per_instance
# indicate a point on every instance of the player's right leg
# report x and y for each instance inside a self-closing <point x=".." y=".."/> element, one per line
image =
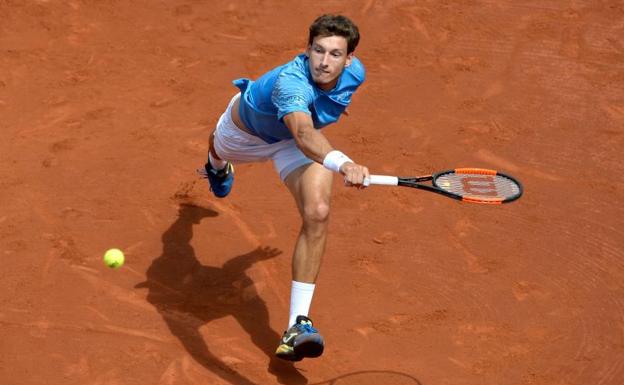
<point x="220" y="173"/>
<point x="229" y="144"/>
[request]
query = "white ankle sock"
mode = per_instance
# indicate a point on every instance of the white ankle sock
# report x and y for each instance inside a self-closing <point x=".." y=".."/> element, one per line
<point x="300" y="299"/>
<point x="217" y="164"/>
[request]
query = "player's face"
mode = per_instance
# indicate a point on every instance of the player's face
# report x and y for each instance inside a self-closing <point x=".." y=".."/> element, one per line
<point x="328" y="58"/>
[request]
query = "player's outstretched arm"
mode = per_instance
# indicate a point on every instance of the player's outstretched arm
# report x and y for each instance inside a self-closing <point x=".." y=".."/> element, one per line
<point x="311" y="142"/>
<point x="316" y="147"/>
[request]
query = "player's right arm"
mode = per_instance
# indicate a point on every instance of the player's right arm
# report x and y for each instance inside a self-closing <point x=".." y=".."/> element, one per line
<point x="316" y="147"/>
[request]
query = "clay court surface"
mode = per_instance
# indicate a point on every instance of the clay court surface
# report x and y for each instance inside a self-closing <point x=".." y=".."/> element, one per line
<point x="105" y="110"/>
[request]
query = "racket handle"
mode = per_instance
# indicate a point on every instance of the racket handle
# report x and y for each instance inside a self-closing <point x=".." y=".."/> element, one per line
<point x="382" y="179"/>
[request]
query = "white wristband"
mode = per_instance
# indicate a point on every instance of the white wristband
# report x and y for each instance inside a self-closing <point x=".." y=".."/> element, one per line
<point x="334" y="159"/>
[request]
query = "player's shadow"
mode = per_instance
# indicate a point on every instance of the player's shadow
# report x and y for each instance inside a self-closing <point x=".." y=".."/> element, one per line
<point x="189" y="295"/>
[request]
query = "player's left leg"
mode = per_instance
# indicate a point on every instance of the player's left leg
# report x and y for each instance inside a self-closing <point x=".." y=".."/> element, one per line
<point x="310" y="185"/>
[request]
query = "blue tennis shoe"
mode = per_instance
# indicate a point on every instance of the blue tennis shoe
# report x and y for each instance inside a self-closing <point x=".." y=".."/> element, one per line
<point x="299" y="341"/>
<point x="220" y="180"/>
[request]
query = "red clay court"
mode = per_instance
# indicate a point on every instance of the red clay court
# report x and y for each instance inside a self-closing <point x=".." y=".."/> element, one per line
<point x="105" y="109"/>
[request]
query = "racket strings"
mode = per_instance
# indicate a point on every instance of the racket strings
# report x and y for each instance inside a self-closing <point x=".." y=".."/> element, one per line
<point x="478" y="186"/>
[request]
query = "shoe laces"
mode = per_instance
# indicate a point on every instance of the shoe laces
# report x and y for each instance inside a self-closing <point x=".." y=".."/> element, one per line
<point x="307" y="327"/>
<point x="218" y="173"/>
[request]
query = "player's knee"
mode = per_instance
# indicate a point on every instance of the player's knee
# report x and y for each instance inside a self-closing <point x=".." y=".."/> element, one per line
<point x="316" y="213"/>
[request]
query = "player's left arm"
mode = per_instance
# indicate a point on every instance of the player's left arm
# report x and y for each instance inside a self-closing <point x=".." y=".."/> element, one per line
<point x="316" y="147"/>
<point x="309" y="140"/>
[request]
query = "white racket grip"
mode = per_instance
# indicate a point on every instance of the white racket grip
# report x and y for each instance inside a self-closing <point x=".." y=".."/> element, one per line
<point x="382" y="179"/>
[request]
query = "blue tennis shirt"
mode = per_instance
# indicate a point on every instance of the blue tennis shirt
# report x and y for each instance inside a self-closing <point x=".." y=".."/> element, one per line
<point x="289" y="88"/>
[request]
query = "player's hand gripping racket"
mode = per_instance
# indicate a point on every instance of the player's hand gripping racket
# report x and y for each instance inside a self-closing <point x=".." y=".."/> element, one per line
<point x="475" y="185"/>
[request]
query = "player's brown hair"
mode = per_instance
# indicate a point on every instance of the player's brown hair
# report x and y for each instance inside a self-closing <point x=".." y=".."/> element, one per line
<point x="335" y="25"/>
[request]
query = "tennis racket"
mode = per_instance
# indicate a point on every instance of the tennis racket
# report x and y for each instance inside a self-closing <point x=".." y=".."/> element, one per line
<point x="475" y="185"/>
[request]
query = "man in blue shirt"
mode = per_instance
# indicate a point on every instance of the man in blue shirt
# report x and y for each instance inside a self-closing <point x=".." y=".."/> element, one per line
<point x="279" y="117"/>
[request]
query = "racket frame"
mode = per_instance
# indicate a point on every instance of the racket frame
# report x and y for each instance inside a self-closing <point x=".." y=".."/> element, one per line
<point x="416" y="182"/>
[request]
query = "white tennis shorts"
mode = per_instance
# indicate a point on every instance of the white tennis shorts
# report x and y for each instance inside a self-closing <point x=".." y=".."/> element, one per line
<point x="237" y="146"/>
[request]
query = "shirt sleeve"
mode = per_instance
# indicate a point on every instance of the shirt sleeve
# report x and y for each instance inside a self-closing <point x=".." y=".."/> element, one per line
<point x="292" y="92"/>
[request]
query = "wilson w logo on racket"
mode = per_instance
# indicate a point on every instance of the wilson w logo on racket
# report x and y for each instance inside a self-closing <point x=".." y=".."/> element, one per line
<point x="482" y="185"/>
<point x="475" y="185"/>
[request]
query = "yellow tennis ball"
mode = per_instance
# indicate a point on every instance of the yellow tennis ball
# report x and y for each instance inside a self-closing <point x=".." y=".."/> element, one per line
<point x="114" y="258"/>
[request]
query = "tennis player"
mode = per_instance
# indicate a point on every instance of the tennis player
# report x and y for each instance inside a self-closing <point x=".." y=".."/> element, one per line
<point x="279" y="117"/>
